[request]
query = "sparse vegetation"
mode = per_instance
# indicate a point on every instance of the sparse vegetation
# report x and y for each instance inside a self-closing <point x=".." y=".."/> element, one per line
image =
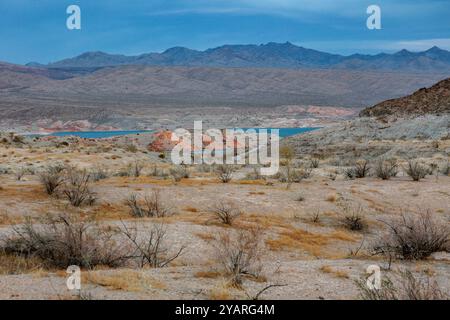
<point x="416" y="170"/>
<point x="360" y="170"/>
<point x="77" y="189"/>
<point x="150" y="248"/>
<point x="63" y="240"/>
<point x="151" y="206"/>
<point x="52" y="177"/>
<point x="225" y="172"/>
<point x="413" y="237"/>
<point x="239" y="252"/>
<point x="225" y="212"/>
<point x="386" y="169"/>
<point x="406" y="287"/>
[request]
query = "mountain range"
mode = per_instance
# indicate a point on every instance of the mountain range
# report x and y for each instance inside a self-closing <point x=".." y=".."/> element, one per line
<point x="270" y="55"/>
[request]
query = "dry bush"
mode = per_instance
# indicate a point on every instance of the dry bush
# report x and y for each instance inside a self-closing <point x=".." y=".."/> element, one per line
<point x="353" y="218"/>
<point x="150" y="249"/>
<point x="225" y="172"/>
<point x="360" y="170"/>
<point x="225" y="212"/>
<point x="239" y="253"/>
<point x="445" y="169"/>
<point x="158" y="172"/>
<point x="314" y="163"/>
<point x="409" y="287"/>
<point x="52" y="178"/>
<point x="151" y="206"/>
<point x="416" y="170"/>
<point x="77" y="189"/>
<point x="99" y="173"/>
<point x="135" y="169"/>
<point x="413" y="237"/>
<point x="180" y="172"/>
<point x="20" y="173"/>
<point x="386" y="169"/>
<point x="63" y="240"/>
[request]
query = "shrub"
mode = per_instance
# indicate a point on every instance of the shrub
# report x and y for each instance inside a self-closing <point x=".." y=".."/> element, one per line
<point x="409" y="287"/>
<point x="20" y="173"/>
<point x="239" y="252"/>
<point x="225" y="172"/>
<point x="151" y="206"/>
<point x="61" y="241"/>
<point x="314" y="163"/>
<point x="135" y="169"/>
<point x="360" y="170"/>
<point x="52" y="177"/>
<point x="99" y="173"/>
<point x="150" y="248"/>
<point x="225" y="212"/>
<point x="445" y="169"/>
<point x="180" y="172"/>
<point x="77" y="189"/>
<point x="413" y="237"/>
<point x="416" y="171"/>
<point x="386" y="169"/>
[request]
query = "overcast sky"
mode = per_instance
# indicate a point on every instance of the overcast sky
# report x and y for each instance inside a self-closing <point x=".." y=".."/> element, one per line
<point x="35" y="30"/>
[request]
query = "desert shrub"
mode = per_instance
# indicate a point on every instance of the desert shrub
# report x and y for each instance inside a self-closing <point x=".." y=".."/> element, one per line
<point x="20" y="173"/>
<point x="386" y="169"/>
<point x="131" y="148"/>
<point x="416" y="170"/>
<point x="225" y="212"/>
<point x="52" y="178"/>
<point x="314" y="163"/>
<point x="180" y="172"/>
<point x="413" y="237"/>
<point x="225" y="172"/>
<point x="99" y="173"/>
<point x="151" y="206"/>
<point x="354" y="220"/>
<point x="255" y="174"/>
<point x="158" y="172"/>
<point x="61" y="241"/>
<point x="445" y="169"/>
<point x="76" y="188"/>
<point x="238" y="253"/>
<point x="360" y="170"/>
<point x="135" y="169"/>
<point x="407" y="287"/>
<point x="4" y="170"/>
<point x="150" y="248"/>
<point x="290" y="175"/>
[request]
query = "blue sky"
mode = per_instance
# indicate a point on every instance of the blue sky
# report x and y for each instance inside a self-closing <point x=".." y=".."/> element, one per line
<point x="35" y="30"/>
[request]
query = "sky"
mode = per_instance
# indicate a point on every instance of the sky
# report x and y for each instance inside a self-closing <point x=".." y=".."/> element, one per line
<point x="35" y="30"/>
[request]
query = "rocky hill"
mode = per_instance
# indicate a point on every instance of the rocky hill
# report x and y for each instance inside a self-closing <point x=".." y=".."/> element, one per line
<point x="433" y="100"/>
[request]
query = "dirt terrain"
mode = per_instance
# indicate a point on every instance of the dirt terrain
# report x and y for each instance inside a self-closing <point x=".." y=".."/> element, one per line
<point x="304" y="245"/>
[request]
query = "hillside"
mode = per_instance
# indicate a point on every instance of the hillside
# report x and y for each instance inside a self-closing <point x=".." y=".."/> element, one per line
<point x="433" y="100"/>
<point x="270" y="55"/>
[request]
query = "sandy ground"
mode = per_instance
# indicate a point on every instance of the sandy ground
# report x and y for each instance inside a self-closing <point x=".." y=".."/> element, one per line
<point x="318" y="266"/>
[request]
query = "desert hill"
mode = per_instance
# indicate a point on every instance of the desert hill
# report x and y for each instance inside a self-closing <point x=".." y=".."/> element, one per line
<point x="433" y="100"/>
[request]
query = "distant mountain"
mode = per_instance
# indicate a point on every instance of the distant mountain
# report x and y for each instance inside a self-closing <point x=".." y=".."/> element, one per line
<point x="433" y="100"/>
<point x="270" y="55"/>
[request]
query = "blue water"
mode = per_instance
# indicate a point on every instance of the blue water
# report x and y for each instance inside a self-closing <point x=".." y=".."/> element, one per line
<point x="284" y="132"/>
<point x="98" y="134"/>
<point x="287" y="132"/>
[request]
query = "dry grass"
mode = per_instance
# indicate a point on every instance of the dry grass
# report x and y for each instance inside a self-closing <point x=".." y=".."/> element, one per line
<point x="191" y="209"/>
<point x="312" y="243"/>
<point x="337" y="273"/>
<point x="332" y="197"/>
<point x="15" y="264"/>
<point x="221" y="291"/>
<point x="207" y="274"/>
<point x="123" y="280"/>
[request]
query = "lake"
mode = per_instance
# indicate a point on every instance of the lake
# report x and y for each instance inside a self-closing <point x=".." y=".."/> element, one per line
<point x="284" y="132"/>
